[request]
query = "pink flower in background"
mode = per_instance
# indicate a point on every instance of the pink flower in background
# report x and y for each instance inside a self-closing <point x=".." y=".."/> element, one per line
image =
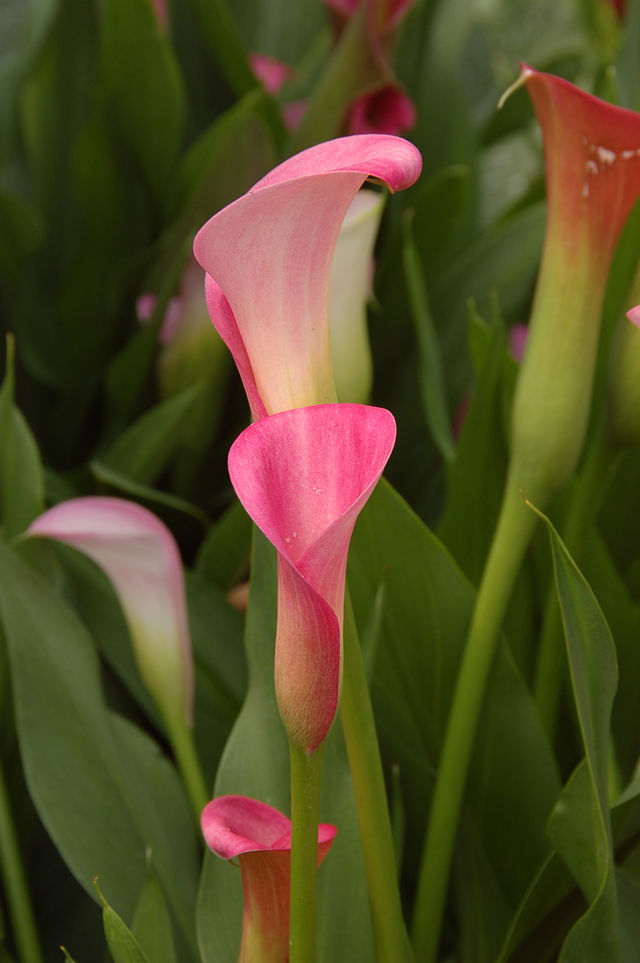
<point x="139" y="555"/>
<point x="303" y="476"/>
<point x="634" y="315"/>
<point x="386" y="111"/>
<point x="268" y="259"/>
<point x="271" y="73"/>
<point x="518" y="334"/>
<point x="259" y="837"/>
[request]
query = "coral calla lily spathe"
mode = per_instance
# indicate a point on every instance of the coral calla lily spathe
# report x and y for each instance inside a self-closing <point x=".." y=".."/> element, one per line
<point x="592" y="163"/>
<point x="259" y="837"/>
<point x="268" y="259"/>
<point x="139" y="555"/>
<point x="303" y="476"/>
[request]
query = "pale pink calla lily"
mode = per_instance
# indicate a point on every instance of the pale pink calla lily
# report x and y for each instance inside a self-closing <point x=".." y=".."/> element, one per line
<point x="259" y="836"/>
<point x="303" y="476"/>
<point x="140" y="557"/>
<point x="268" y="256"/>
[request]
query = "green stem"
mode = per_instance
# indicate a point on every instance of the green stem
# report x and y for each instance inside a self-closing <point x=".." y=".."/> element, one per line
<point x="358" y="724"/>
<point x="513" y="533"/>
<point x="15" y="885"/>
<point x="184" y="750"/>
<point x="599" y="463"/>
<point x="306" y="772"/>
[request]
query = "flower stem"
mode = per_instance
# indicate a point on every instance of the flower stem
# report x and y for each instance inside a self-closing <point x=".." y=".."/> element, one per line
<point x="511" y="538"/>
<point x="599" y="464"/>
<point x="184" y="750"/>
<point x="306" y="774"/>
<point x="358" y="724"/>
<point x="15" y="885"/>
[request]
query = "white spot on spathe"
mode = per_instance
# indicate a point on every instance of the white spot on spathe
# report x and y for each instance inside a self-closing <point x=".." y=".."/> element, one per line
<point x="585" y="189"/>
<point x="591" y="167"/>
<point x="316" y="491"/>
<point x="606" y="157"/>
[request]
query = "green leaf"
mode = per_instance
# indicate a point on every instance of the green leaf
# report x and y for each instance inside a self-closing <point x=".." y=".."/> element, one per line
<point x="476" y="480"/>
<point x="101" y="787"/>
<point x="151" y="925"/>
<point x="150" y="444"/>
<point x="256" y="763"/>
<point x="123" y="946"/>
<point x="504" y="260"/>
<point x="223" y="36"/>
<point x="223" y="557"/>
<point x="23" y="24"/>
<point x="21" y="479"/>
<point x="145" y="494"/>
<point x="21" y="230"/>
<point x="143" y="87"/>
<point x="580" y="826"/>
<point x="432" y="385"/>
<point x="424" y="624"/>
<point x="440" y="210"/>
<point x="234" y="152"/>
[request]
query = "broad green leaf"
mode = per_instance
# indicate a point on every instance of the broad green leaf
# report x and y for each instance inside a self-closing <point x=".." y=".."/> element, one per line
<point x="476" y="480"/>
<point x="256" y="763"/>
<point x="432" y="385"/>
<point x="580" y="826"/>
<point x="225" y="41"/>
<point x="216" y="635"/>
<point x="223" y="557"/>
<point x="151" y="443"/>
<point x="502" y="260"/>
<point x="23" y="24"/>
<point x="21" y="230"/>
<point x="234" y="152"/>
<point x="151" y="924"/>
<point x="101" y="787"/>
<point x="142" y="86"/>
<point x="122" y="483"/>
<point x="21" y="480"/>
<point x="123" y="945"/>
<point x="423" y="629"/>
<point x="440" y="209"/>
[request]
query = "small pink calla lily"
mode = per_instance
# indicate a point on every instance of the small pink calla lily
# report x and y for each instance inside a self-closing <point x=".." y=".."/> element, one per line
<point x="303" y="476"/>
<point x="259" y="836"/>
<point x="140" y="557"/>
<point x="268" y="256"/>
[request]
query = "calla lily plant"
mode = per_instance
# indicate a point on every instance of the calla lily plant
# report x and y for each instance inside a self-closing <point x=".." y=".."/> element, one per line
<point x="258" y="702"/>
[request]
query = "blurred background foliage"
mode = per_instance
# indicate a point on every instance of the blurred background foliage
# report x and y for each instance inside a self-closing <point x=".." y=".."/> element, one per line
<point x="124" y="125"/>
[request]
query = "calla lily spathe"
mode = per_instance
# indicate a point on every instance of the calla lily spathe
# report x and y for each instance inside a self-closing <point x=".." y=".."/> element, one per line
<point x="592" y="163"/>
<point x="139" y="555"/>
<point x="268" y="259"/>
<point x="303" y="476"/>
<point x="349" y="290"/>
<point x="259" y="837"/>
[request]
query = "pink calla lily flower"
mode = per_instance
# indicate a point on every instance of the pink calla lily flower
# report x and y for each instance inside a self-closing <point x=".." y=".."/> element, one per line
<point x="259" y="836"/>
<point x="139" y="555"/>
<point x="303" y="476"/>
<point x="268" y="258"/>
